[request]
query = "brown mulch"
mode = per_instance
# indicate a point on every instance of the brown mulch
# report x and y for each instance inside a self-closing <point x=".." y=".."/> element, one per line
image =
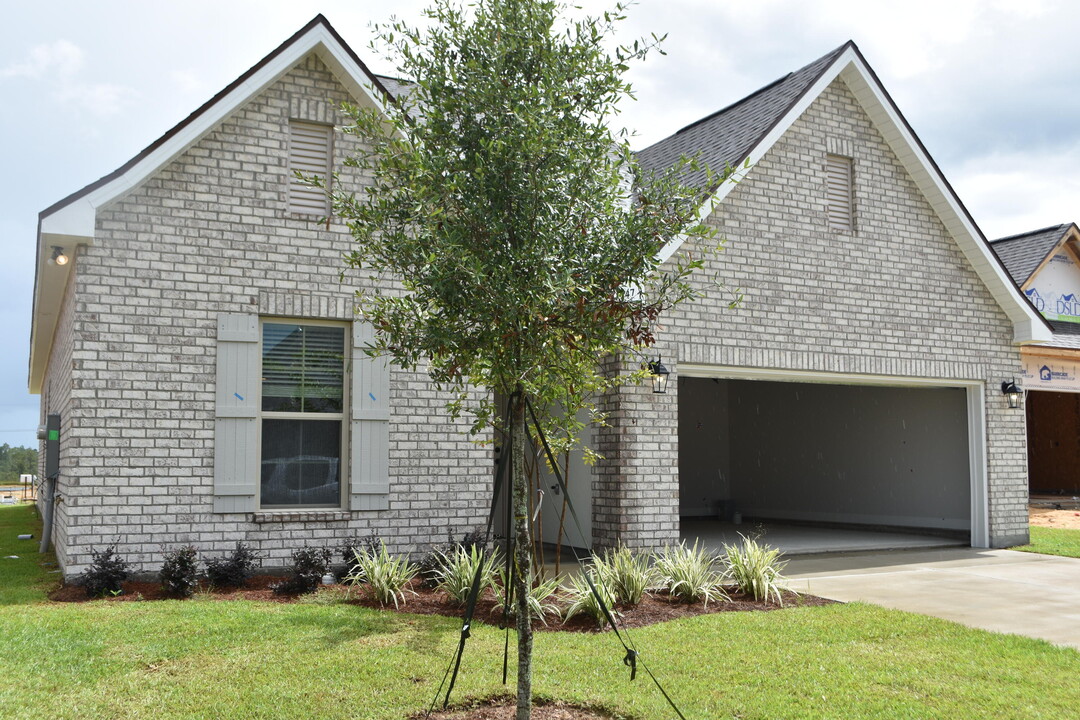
<point x="654" y="608"/>
<point x="504" y="708"/>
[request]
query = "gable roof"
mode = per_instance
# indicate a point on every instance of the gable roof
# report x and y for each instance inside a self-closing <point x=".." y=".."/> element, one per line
<point x="1023" y="254"/>
<point x="727" y="136"/>
<point x="71" y="221"/>
<point x="759" y="120"/>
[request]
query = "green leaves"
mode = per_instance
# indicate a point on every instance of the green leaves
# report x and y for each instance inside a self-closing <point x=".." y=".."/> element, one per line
<point x="499" y="197"/>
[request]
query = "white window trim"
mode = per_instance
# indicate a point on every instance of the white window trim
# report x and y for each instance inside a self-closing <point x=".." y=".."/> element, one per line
<point x="344" y="416"/>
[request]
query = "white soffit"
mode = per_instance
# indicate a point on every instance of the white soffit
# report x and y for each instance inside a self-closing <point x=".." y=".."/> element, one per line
<point x="1028" y="325"/>
<point x="72" y="222"/>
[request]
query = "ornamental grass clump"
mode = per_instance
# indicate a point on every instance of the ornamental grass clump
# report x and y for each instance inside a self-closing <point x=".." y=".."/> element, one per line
<point x="383" y="577"/>
<point x="456" y="569"/>
<point x="626" y="573"/>
<point x="179" y="572"/>
<point x="540" y="600"/>
<point x="755" y="569"/>
<point x="584" y="601"/>
<point x="687" y="574"/>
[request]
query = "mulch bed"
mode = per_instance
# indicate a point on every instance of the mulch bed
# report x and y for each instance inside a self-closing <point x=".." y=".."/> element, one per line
<point x="654" y="608"/>
<point x="504" y="708"/>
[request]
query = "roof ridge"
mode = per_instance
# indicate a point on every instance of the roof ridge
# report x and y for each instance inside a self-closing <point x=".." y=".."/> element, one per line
<point x="1017" y="236"/>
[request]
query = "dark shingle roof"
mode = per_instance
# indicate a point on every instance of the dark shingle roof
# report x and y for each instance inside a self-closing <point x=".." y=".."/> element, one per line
<point x="727" y="136"/>
<point x="1022" y="254"/>
<point x="396" y="88"/>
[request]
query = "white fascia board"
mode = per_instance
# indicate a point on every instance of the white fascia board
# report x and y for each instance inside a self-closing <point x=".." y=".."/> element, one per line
<point x="1028" y="326"/>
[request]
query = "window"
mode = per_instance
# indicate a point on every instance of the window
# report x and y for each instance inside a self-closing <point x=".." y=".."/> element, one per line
<point x="310" y="153"/>
<point x="840" y="200"/>
<point x="302" y="415"/>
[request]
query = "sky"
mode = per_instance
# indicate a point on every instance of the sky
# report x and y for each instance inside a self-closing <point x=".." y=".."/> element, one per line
<point x="992" y="88"/>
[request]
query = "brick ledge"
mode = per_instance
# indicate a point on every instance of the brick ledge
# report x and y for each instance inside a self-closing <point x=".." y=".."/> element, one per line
<point x="270" y="516"/>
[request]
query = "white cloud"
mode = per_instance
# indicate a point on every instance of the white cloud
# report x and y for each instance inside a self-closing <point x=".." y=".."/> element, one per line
<point x="61" y="58"/>
<point x="187" y="81"/>
<point x="100" y="100"/>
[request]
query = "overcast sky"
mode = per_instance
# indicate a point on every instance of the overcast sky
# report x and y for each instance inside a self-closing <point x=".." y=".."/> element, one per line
<point x="992" y="88"/>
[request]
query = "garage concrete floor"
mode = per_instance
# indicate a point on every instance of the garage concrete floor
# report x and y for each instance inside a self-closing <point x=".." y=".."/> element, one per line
<point x="806" y="539"/>
<point x="1001" y="590"/>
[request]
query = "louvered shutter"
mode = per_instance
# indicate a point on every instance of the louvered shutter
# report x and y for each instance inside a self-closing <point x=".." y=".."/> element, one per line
<point x="369" y="485"/>
<point x="236" y="471"/>
<point x="840" y="203"/>
<point x="310" y="154"/>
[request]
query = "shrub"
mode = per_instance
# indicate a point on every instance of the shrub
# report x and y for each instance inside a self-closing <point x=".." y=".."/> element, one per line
<point x="353" y="545"/>
<point x="582" y="599"/>
<point x="309" y="566"/>
<point x="626" y="573"/>
<point x="687" y="574"/>
<point x="431" y="564"/>
<point x="106" y="573"/>
<point x="457" y="569"/>
<point x="540" y="596"/>
<point x="179" y="573"/>
<point x="383" y="577"/>
<point x="233" y="569"/>
<point x="755" y="569"/>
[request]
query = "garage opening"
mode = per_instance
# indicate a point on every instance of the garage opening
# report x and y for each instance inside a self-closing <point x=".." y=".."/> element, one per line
<point x="1053" y="428"/>
<point x="820" y="467"/>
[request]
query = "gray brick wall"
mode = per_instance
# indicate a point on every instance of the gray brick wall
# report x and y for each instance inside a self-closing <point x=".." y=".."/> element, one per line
<point x="895" y="298"/>
<point x="209" y="234"/>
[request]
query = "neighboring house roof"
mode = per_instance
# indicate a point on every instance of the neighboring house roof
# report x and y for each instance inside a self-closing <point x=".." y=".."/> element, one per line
<point x="1023" y="254"/>
<point x="71" y="221"/>
<point x="727" y="136"/>
<point x="761" y="119"/>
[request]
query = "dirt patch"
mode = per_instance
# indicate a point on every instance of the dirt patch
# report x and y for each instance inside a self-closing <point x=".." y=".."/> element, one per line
<point x="654" y="607"/>
<point x="504" y="708"/>
<point x="1053" y="518"/>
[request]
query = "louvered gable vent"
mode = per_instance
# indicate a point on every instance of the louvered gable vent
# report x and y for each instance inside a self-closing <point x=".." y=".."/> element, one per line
<point x="309" y="153"/>
<point x="840" y="201"/>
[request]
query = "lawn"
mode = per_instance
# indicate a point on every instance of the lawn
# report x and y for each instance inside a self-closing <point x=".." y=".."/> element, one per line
<point x="1053" y="541"/>
<point x="211" y="659"/>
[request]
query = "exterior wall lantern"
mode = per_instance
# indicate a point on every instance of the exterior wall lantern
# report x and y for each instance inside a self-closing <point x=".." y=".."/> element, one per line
<point x="659" y="376"/>
<point x="58" y="256"/>
<point x="1012" y="393"/>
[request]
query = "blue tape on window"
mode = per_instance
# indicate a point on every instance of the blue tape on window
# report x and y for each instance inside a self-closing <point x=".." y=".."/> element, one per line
<point x="238" y="396"/>
<point x="371" y="396"/>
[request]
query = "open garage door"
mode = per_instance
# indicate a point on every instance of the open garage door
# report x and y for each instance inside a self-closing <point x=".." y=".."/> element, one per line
<point x="875" y="458"/>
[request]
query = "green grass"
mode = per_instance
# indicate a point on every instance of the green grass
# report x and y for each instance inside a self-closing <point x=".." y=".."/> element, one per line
<point x="1053" y="541"/>
<point x="211" y="659"/>
<point x="24" y="580"/>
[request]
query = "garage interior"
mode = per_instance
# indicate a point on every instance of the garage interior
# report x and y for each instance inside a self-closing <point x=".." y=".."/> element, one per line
<point x="1053" y="427"/>
<point x="815" y="467"/>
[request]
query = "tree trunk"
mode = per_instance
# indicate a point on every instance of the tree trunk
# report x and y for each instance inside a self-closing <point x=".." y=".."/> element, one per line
<point x="522" y="559"/>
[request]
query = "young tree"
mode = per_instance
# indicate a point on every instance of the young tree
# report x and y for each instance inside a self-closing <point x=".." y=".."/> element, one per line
<point x="513" y="217"/>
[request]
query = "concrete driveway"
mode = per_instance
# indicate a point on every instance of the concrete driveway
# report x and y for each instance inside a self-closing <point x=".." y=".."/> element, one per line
<point x="1000" y="590"/>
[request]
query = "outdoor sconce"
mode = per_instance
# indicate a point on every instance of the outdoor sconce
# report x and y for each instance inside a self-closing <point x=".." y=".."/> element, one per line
<point x="1012" y="393"/>
<point x="58" y="256"/>
<point x="659" y="376"/>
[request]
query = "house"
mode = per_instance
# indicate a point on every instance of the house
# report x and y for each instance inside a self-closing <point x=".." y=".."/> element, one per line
<point x="193" y="345"/>
<point x="1045" y="265"/>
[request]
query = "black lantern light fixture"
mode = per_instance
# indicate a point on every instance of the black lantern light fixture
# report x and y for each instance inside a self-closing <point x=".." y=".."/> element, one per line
<point x="1012" y="393"/>
<point x="659" y="376"/>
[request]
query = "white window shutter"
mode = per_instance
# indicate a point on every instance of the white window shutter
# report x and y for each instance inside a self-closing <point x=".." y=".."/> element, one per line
<point x="236" y="455"/>
<point x="839" y="201"/>
<point x="369" y="486"/>
<point x="310" y="152"/>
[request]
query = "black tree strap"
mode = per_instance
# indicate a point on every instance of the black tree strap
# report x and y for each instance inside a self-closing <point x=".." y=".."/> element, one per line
<point x="474" y="589"/>
<point x="632" y="657"/>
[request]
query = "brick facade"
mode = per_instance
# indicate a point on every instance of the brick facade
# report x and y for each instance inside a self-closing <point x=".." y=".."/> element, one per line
<point x="210" y="234"/>
<point x="894" y="298"/>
